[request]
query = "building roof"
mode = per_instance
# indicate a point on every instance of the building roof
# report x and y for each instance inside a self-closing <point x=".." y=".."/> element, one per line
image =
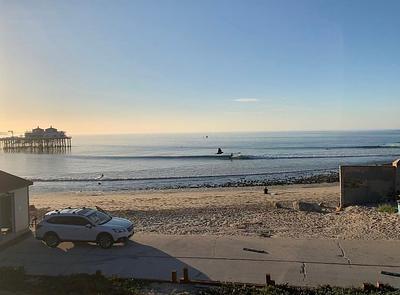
<point x="9" y="182"/>
<point x="51" y="129"/>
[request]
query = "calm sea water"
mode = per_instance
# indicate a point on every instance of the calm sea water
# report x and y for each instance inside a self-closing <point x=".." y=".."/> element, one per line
<point x="160" y="161"/>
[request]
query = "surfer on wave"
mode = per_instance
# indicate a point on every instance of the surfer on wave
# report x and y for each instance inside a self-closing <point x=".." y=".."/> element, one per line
<point x="231" y="156"/>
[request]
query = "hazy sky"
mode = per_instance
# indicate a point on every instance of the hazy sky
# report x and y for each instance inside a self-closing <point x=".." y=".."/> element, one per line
<point x="190" y="66"/>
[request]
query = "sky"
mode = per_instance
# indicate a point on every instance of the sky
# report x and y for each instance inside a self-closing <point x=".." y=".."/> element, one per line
<point x="93" y="67"/>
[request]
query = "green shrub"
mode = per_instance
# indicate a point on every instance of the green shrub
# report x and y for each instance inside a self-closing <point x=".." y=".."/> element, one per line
<point x="387" y="208"/>
<point x="229" y="289"/>
<point x="15" y="280"/>
<point x="75" y="284"/>
<point x="12" y="278"/>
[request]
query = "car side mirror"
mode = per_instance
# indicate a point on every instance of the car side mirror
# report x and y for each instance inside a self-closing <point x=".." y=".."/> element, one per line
<point x="89" y="225"/>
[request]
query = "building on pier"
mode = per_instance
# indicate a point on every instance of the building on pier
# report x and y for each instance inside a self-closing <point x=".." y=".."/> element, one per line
<point x="44" y="133"/>
<point x="40" y="140"/>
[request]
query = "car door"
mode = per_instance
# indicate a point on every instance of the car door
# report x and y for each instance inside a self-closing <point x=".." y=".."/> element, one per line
<point x="60" y="225"/>
<point x="81" y="229"/>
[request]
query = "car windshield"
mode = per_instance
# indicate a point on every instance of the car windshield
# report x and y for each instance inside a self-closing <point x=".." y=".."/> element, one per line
<point x="98" y="217"/>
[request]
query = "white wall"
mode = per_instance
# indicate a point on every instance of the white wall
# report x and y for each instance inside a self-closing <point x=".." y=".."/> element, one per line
<point x="21" y="209"/>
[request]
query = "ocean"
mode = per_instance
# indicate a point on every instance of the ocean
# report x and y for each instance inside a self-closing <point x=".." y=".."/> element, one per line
<point x="126" y="162"/>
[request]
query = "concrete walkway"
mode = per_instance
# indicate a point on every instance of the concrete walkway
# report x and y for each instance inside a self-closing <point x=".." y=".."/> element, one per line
<point x="297" y="262"/>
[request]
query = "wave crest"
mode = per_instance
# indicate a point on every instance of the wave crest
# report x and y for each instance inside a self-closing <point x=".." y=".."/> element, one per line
<point x="233" y="157"/>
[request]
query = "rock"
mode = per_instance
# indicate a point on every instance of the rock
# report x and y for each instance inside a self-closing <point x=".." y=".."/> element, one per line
<point x="265" y="233"/>
<point x="308" y="207"/>
<point x="274" y="204"/>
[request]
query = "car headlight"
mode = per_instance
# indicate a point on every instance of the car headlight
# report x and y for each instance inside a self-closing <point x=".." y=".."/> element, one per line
<point x="119" y="230"/>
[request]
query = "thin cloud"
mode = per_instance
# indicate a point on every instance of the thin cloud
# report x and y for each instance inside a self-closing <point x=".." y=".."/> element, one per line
<point x="246" y="100"/>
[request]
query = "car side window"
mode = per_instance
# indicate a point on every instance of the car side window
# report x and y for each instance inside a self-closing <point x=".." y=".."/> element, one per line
<point x="76" y="220"/>
<point x="57" y="220"/>
<point x="68" y="220"/>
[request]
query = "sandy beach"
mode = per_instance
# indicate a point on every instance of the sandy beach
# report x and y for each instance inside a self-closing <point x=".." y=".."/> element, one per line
<point x="236" y="211"/>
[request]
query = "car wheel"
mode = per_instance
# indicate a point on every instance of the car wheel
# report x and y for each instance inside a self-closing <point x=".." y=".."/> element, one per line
<point x="105" y="241"/>
<point x="125" y="241"/>
<point x="51" y="240"/>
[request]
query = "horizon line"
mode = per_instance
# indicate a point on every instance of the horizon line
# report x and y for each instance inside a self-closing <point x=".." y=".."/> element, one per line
<point x="231" y="132"/>
<point x="221" y="132"/>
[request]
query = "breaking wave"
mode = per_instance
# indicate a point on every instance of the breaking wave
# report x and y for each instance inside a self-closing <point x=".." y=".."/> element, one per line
<point x="234" y="157"/>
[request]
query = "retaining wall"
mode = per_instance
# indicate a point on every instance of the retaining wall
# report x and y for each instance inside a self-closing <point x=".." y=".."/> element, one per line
<point x="368" y="184"/>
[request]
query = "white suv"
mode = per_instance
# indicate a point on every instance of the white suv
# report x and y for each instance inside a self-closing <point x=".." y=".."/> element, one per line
<point x="83" y="224"/>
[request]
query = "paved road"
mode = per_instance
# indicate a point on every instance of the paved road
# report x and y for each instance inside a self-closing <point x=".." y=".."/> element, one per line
<point x="298" y="262"/>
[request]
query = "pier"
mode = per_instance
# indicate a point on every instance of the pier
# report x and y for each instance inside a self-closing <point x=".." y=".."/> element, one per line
<point x="38" y="140"/>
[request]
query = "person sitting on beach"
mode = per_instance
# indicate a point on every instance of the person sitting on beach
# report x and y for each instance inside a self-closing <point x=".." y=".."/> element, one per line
<point x="219" y="151"/>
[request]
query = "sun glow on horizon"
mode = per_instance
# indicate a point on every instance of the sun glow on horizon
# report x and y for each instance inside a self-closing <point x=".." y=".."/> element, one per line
<point x="99" y="69"/>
